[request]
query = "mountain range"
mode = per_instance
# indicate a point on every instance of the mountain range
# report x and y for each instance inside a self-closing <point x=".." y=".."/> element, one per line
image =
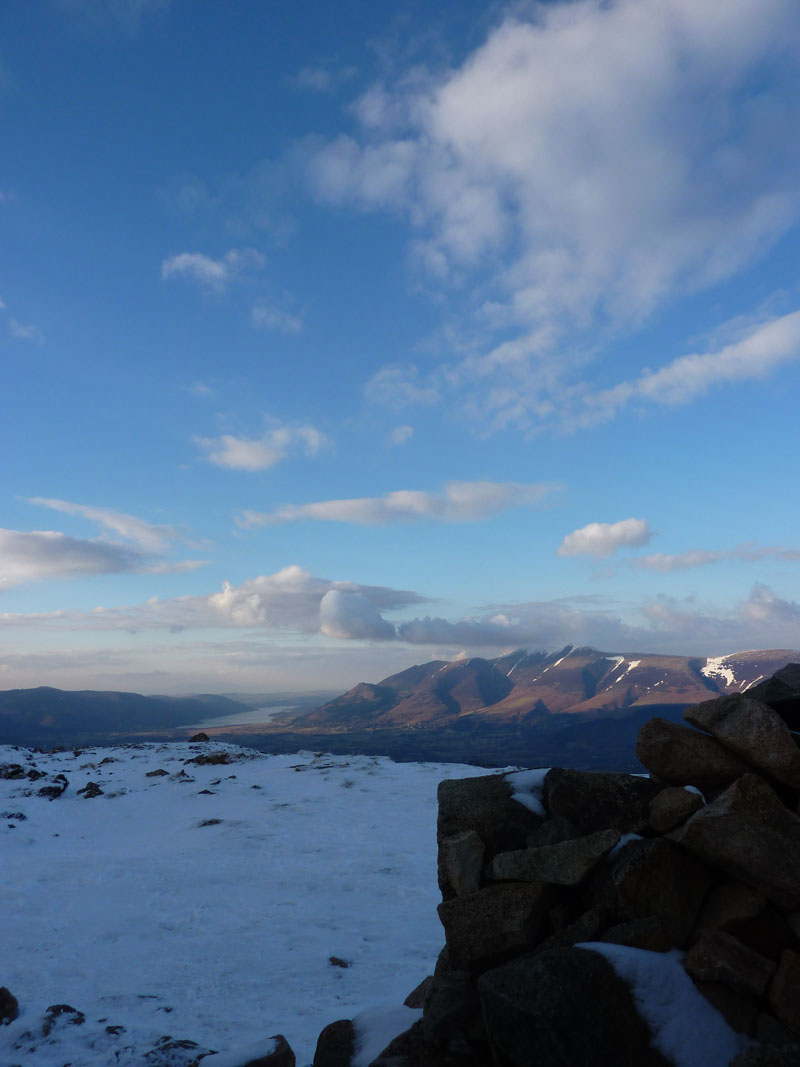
<point x="526" y="688"/>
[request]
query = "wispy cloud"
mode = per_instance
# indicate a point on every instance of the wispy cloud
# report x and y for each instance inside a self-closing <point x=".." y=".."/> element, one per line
<point x="269" y="316"/>
<point x="401" y="386"/>
<point x="585" y="165"/>
<point x="258" y="453"/>
<point x="127" y="13"/>
<point x="699" y="557"/>
<point x="17" y="330"/>
<point x="213" y="275"/>
<point x="149" y="537"/>
<point x="605" y="538"/>
<point x="456" y="502"/>
<point x="323" y="77"/>
<point x="400" y="435"/>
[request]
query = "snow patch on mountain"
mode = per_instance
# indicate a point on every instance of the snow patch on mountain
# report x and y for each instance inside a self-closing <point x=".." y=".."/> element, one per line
<point x="716" y="667"/>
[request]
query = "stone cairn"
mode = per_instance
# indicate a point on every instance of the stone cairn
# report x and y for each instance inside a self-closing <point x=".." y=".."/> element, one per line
<point x="712" y="870"/>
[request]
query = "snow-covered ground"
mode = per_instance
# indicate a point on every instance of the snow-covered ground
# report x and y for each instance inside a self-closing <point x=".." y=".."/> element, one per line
<point x="204" y="904"/>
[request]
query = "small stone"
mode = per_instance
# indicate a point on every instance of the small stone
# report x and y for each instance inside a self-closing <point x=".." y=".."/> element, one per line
<point x="9" y="1006"/>
<point x="753" y="731"/>
<point x="672" y="807"/>
<point x="784" y="993"/>
<point x="157" y="773"/>
<point x="565" y="864"/>
<point x="336" y="961"/>
<point x="90" y="790"/>
<point x="719" y="957"/>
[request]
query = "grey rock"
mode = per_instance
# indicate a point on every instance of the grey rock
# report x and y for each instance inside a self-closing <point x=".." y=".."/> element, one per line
<point x="552" y="832"/>
<point x="719" y="957"/>
<point x="728" y="904"/>
<point x="740" y="1010"/>
<point x="419" y="994"/>
<point x="485" y="806"/>
<point x="564" y="1008"/>
<point x="336" y="1045"/>
<point x="9" y="1006"/>
<point x="753" y="731"/>
<point x="658" y="879"/>
<point x="646" y="933"/>
<point x="594" y="801"/>
<point x="460" y="864"/>
<point x="494" y="921"/>
<point x="567" y="863"/>
<point x="750" y="835"/>
<point x="671" y="807"/>
<point x="680" y="756"/>
<point x="782" y="693"/>
<point x="784" y="993"/>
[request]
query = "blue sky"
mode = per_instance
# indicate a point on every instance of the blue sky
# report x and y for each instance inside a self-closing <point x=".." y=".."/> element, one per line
<point x="339" y="339"/>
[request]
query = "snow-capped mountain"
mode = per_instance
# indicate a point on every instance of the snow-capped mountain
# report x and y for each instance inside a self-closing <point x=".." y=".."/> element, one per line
<point x="203" y="897"/>
<point x="524" y="687"/>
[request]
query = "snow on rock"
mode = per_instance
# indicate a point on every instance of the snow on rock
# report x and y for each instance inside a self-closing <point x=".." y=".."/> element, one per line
<point x="241" y="1056"/>
<point x="206" y="902"/>
<point x="378" y="1026"/>
<point x="685" y="1027"/>
<point x="528" y="787"/>
<point x="716" y="668"/>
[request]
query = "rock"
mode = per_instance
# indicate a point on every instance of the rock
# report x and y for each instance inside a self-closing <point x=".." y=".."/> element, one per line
<point x="770" y="1032"/>
<point x="563" y="1008"/>
<point x="90" y="790"/>
<point x="750" y="835"/>
<point x="336" y="961"/>
<point x="54" y="791"/>
<point x="494" y="921"/>
<point x="567" y="863"/>
<point x="739" y="1010"/>
<point x="767" y="933"/>
<point x="213" y="759"/>
<point x="728" y="904"/>
<point x="336" y="1045"/>
<point x="280" y="1055"/>
<point x="784" y="993"/>
<point x="719" y="957"/>
<point x="672" y="807"/>
<point x="419" y="994"/>
<point x="753" y="731"/>
<point x="485" y="806"/>
<point x="658" y="879"/>
<point x="159" y="773"/>
<point x="680" y="756"/>
<point x="11" y="771"/>
<point x="200" y="737"/>
<point x="768" y="1056"/>
<point x="552" y="832"/>
<point x="782" y="693"/>
<point x="61" y="1011"/>
<point x="593" y="801"/>
<point x="452" y="1008"/>
<point x="587" y="927"/>
<point x="645" y="933"/>
<point x="9" y="1006"/>
<point x="460" y="864"/>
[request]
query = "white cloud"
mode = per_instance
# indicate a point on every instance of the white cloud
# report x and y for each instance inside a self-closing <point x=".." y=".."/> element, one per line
<point x="259" y="453"/>
<point x="698" y="557"/>
<point x="352" y="615"/>
<point x="212" y="274"/>
<point x="17" y="330"/>
<point x="457" y="502"/>
<point x="588" y="162"/>
<point x="400" y="435"/>
<point x="40" y="554"/>
<point x="400" y="386"/>
<point x="605" y="538"/>
<point x="146" y="535"/>
<point x="269" y="317"/>
<point x="764" y="348"/>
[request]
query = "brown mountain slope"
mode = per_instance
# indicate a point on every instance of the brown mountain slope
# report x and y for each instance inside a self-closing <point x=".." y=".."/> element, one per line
<point x="523" y="687"/>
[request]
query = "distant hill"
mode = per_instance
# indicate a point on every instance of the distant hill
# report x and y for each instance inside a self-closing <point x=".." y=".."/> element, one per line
<point x="524" y="688"/>
<point x="47" y="717"/>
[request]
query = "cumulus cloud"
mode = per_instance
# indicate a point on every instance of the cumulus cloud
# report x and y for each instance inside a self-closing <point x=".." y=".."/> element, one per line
<point x="698" y="557"/>
<point x="352" y="615"/>
<point x="214" y="275"/>
<point x="605" y="538"/>
<point x="585" y="164"/>
<point x="258" y="453"/>
<point x="456" y="502"/>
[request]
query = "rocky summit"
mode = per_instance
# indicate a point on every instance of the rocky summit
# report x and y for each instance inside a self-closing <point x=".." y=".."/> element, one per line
<point x="600" y="919"/>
